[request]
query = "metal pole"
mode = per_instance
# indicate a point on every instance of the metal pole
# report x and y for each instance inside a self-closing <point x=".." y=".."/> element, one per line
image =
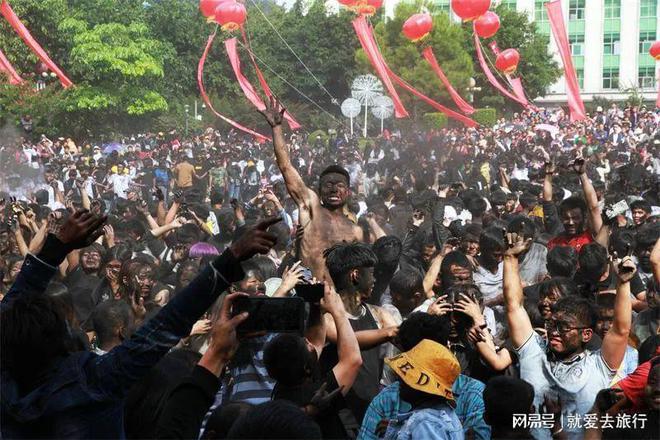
<point x="366" y="113"/>
<point x="351" y="126"/>
<point x="195" y="109"/>
<point x="381" y="124"/>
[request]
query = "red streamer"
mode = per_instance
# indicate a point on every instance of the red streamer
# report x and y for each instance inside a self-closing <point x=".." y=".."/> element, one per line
<point x="452" y="114"/>
<point x="556" y="18"/>
<point x="491" y="78"/>
<point x="458" y="100"/>
<point x="293" y="124"/>
<point x="365" y="35"/>
<point x="25" y="35"/>
<point x="5" y="66"/>
<point x="207" y="101"/>
<point x="245" y="84"/>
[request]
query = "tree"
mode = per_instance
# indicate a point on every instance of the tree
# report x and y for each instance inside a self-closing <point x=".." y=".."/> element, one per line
<point x="405" y="58"/>
<point x="537" y="69"/>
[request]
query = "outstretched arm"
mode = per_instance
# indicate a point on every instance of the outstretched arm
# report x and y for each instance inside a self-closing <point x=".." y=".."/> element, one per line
<point x="590" y="196"/>
<point x="616" y="339"/>
<point x="520" y="325"/>
<point x="348" y="349"/>
<point x="294" y="184"/>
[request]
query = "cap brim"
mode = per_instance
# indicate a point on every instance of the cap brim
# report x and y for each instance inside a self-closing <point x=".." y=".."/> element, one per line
<point x="415" y="378"/>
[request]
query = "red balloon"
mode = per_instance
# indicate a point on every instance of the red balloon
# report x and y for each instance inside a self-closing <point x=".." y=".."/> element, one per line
<point x="207" y="7"/>
<point x="470" y="9"/>
<point x="507" y="61"/>
<point x="655" y="50"/>
<point x="417" y="26"/>
<point x="230" y="15"/>
<point x="487" y="25"/>
<point x="368" y="7"/>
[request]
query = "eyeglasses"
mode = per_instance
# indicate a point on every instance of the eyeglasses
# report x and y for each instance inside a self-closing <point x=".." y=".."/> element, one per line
<point x="560" y="327"/>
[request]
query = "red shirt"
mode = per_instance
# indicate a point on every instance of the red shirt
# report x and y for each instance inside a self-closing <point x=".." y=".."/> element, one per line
<point x="633" y="385"/>
<point x="576" y="241"/>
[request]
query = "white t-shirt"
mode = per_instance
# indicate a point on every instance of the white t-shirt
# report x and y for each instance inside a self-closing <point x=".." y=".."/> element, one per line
<point x="119" y="184"/>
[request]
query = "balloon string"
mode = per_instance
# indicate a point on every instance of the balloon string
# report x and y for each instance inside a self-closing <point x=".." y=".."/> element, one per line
<point x="284" y="80"/>
<point x="332" y="98"/>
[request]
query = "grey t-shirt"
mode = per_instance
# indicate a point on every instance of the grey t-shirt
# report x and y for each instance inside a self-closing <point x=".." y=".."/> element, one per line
<point x="576" y="382"/>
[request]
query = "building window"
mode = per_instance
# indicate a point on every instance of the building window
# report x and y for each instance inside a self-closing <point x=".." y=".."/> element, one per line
<point x="576" y="10"/>
<point x="646" y="39"/>
<point x="580" y="77"/>
<point x="646" y="78"/>
<point x="612" y="43"/>
<point x="443" y="5"/>
<point x="612" y="8"/>
<point x="611" y="79"/>
<point x="648" y="8"/>
<point x="511" y="4"/>
<point x="540" y="14"/>
<point x="577" y="44"/>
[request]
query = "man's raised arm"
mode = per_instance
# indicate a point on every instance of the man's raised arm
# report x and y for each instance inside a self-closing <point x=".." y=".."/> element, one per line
<point x="294" y="184"/>
<point x="520" y="326"/>
<point x="616" y="339"/>
<point x="590" y="196"/>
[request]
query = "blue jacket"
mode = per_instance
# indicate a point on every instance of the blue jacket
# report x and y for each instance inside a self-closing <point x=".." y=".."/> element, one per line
<point x="81" y="396"/>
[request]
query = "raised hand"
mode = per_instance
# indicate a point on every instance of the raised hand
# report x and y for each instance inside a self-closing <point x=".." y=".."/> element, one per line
<point x="550" y="167"/>
<point x="274" y="112"/>
<point x="201" y="327"/>
<point x="224" y="338"/>
<point x="517" y="244"/>
<point x="81" y="229"/>
<point x="292" y="276"/>
<point x="579" y="166"/>
<point x="624" y="268"/>
<point x="256" y="240"/>
<point x="331" y="301"/>
<point x="440" y="307"/>
<point x="470" y="307"/>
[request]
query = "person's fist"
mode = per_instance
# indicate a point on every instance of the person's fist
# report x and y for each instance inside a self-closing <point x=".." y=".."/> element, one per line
<point x="81" y="229"/>
<point x="256" y="240"/>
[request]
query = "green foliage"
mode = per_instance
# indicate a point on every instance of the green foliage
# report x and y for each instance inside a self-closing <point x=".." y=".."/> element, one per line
<point x="485" y="116"/>
<point x="312" y="136"/>
<point x="537" y="68"/>
<point x="597" y="101"/>
<point x="405" y="59"/>
<point x="435" y="120"/>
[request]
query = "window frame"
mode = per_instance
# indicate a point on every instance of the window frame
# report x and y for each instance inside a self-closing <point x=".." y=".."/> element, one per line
<point x="611" y="75"/>
<point x="612" y="42"/>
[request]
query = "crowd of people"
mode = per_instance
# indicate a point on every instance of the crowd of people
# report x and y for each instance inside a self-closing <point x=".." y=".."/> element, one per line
<point x="491" y="282"/>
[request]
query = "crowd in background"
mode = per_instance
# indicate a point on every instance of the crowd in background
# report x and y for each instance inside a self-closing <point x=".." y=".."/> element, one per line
<point x="504" y="285"/>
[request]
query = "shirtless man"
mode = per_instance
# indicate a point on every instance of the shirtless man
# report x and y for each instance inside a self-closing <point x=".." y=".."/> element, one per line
<point x="321" y="215"/>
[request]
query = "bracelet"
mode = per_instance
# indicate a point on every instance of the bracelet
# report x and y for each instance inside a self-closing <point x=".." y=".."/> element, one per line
<point x="558" y="432"/>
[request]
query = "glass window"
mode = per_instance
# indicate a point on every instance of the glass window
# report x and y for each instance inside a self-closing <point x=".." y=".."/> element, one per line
<point x="540" y="14"/>
<point x="511" y="4"/>
<point x="611" y="78"/>
<point x="443" y="5"/>
<point x="646" y="78"/>
<point x="612" y="43"/>
<point x="577" y="44"/>
<point x="580" y="77"/>
<point x="576" y="10"/>
<point x="646" y="39"/>
<point x="612" y="8"/>
<point x="648" y="8"/>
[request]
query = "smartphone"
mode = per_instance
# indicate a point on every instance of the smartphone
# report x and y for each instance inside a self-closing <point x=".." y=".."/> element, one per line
<point x="311" y="293"/>
<point x="272" y="315"/>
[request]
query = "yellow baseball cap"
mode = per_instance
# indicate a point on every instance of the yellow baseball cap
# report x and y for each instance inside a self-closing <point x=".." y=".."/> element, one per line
<point x="428" y="367"/>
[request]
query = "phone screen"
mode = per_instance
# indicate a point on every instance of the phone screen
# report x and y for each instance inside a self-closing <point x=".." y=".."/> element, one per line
<point x="272" y="315"/>
<point x="311" y="293"/>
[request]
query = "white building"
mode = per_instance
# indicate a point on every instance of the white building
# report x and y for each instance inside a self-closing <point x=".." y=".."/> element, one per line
<point x="610" y="40"/>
